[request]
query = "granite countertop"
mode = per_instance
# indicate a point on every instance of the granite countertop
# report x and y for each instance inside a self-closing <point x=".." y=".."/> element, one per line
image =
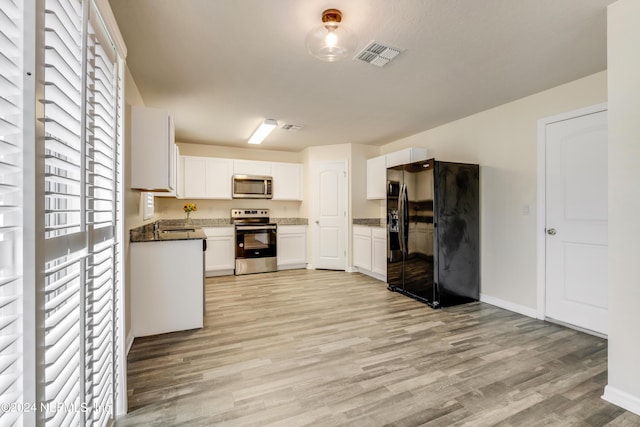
<point x="153" y="233"/>
<point x="164" y="233"/>
<point x="289" y="221"/>
<point x="370" y="222"/>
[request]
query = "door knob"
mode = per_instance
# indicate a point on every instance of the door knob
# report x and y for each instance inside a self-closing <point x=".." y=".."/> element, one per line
<point x="318" y="222"/>
<point x="551" y="231"/>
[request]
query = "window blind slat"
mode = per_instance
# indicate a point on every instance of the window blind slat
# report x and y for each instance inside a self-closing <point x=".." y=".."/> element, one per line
<point x="11" y="205"/>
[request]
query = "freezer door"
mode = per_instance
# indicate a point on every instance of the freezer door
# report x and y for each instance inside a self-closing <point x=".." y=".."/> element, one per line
<point x="395" y="255"/>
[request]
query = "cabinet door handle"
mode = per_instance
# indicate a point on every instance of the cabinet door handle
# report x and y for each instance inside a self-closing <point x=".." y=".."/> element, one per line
<point x="551" y="231"/>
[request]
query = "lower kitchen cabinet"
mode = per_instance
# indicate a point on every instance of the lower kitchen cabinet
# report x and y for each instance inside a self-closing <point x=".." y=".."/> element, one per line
<point x="167" y="286"/>
<point x="362" y="247"/>
<point x="220" y="255"/>
<point x="379" y="250"/>
<point x="370" y="251"/>
<point x="292" y="247"/>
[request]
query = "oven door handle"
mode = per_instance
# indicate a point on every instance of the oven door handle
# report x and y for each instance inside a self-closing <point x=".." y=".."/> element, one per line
<point x="255" y="227"/>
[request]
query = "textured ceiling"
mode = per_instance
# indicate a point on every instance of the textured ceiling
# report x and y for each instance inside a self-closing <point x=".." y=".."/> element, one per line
<point x="222" y="66"/>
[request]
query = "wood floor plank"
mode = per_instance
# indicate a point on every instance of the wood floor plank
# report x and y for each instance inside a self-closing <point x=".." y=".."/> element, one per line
<point x="328" y="348"/>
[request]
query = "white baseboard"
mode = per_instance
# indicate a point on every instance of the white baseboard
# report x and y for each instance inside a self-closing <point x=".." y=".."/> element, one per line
<point x="622" y="399"/>
<point x="129" y="341"/>
<point x="517" y="308"/>
<point x="352" y="270"/>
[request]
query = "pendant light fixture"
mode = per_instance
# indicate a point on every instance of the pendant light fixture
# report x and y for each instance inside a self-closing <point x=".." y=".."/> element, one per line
<point x="331" y="41"/>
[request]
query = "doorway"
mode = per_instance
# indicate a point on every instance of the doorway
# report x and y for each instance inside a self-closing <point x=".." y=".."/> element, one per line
<point x="329" y="214"/>
<point x="572" y="219"/>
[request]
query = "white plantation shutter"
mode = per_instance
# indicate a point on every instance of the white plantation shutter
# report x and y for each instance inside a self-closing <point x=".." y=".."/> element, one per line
<point x="82" y="110"/>
<point x="60" y="295"/>
<point x="64" y="201"/>
<point x="102" y="160"/>
<point x="11" y="207"/>
<point x="63" y="117"/>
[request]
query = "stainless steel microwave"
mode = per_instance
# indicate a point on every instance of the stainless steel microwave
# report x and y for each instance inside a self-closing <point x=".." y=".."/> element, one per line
<point x="252" y="187"/>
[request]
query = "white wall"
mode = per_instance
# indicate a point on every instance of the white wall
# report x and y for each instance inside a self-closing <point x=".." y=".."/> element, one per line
<point x="623" y="386"/>
<point x="238" y="153"/>
<point x="503" y="141"/>
<point x="132" y="198"/>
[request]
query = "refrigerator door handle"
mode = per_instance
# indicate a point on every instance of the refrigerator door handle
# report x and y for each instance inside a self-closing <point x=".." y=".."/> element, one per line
<point x="400" y="222"/>
<point x="401" y="218"/>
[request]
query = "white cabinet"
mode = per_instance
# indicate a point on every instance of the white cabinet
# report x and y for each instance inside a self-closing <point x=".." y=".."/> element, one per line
<point x="370" y="251"/>
<point x="377" y="169"/>
<point x="287" y="181"/>
<point x="408" y="155"/>
<point x="379" y="250"/>
<point x="211" y="177"/>
<point x="179" y="185"/>
<point x="220" y="254"/>
<point x="167" y="286"/>
<point x="362" y="247"/>
<point x="292" y="246"/>
<point x="251" y="167"/>
<point x="207" y="177"/>
<point x="153" y="150"/>
<point x="377" y="178"/>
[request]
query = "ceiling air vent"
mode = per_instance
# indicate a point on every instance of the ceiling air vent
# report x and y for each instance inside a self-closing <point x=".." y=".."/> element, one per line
<point x="378" y="54"/>
<point x="292" y="128"/>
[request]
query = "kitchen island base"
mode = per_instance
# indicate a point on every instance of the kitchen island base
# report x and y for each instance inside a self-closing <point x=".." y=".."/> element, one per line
<point x="167" y="286"/>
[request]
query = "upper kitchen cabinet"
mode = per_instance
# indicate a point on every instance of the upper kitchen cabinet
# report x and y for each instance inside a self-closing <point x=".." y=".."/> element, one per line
<point x="177" y="164"/>
<point x="376" y="169"/>
<point x="251" y="167"/>
<point x="206" y="177"/>
<point x="376" y="178"/>
<point x="153" y="150"/>
<point x="287" y="181"/>
<point x="408" y="155"/>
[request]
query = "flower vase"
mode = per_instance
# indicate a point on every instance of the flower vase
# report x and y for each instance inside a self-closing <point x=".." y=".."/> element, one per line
<point x="188" y="220"/>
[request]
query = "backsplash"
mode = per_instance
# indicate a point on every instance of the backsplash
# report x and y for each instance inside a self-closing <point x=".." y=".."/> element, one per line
<point x="171" y="208"/>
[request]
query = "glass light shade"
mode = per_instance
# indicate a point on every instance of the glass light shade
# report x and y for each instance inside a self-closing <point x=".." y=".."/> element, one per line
<point x="331" y="42"/>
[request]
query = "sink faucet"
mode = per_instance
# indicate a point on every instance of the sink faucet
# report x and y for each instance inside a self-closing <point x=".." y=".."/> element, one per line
<point x="156" y="227"/>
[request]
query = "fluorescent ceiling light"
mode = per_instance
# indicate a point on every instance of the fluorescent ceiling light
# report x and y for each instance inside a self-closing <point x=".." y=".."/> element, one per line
<point x="263" y="130"/>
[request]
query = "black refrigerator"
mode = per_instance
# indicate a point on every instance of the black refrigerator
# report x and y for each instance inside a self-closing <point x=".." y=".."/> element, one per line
<point x="433" y="232"/>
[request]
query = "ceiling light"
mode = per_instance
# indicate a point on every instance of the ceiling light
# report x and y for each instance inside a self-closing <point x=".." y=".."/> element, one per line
<point x="263" y="130"/>
<point x="331" y="41"/>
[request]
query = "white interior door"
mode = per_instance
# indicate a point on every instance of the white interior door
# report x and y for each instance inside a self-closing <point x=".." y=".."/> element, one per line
<point x="576" y="221"/>
<point x="329" y="221"/>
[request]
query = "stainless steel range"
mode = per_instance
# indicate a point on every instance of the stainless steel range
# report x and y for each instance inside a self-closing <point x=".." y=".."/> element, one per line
<point x="255" y="241"/>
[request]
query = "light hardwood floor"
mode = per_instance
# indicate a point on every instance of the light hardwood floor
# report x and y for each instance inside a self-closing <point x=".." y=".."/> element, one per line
<point x="331" y="348"/>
